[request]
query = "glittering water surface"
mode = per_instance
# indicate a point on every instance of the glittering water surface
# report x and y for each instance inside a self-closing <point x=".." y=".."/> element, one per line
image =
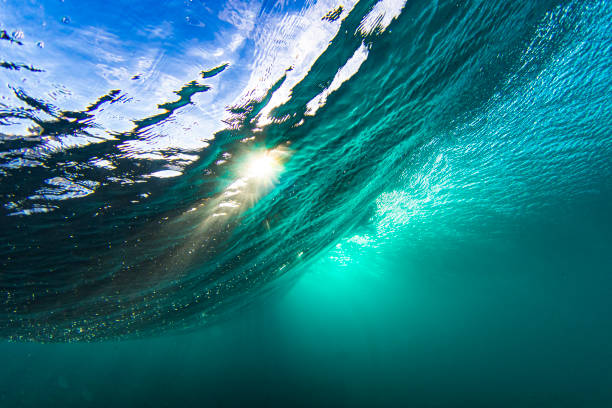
<point x="164" y="165"/>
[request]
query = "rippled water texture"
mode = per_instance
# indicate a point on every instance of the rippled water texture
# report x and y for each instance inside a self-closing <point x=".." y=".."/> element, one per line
<point x="164" y="164"/>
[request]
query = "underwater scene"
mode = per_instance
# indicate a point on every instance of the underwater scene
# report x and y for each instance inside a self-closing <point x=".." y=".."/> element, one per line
<point x="305" y="203"/>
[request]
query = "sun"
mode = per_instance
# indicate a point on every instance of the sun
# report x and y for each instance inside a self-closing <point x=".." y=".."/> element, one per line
<point x="262" y="166"/>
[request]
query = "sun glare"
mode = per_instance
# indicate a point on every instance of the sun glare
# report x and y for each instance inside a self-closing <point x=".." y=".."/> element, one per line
<point x="262" y="166"/>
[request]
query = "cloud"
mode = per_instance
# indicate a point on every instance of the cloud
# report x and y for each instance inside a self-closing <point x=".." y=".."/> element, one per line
<point x="240" y="14"/>
<point x="159" y="31"/>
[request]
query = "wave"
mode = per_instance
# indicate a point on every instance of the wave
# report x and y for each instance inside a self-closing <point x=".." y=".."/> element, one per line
<point x="131" y="216"/>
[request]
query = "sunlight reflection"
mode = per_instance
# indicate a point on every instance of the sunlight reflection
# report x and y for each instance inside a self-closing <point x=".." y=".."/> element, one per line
<point x="256" y="175"/>
<point x="263" y="167"/>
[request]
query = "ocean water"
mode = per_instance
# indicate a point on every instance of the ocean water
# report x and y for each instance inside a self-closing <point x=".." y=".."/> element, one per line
<point x="306" y="203"/>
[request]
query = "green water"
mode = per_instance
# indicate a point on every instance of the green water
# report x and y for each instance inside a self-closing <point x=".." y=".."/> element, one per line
<point x="418" y="215"/>
<point x="473" y="325"/>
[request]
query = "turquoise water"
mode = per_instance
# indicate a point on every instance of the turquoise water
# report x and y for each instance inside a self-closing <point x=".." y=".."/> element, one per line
<point x="306" y="204"/>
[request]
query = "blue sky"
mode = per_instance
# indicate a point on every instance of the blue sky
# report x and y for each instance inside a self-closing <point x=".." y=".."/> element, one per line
<point x="150" y="50"/>
<point x="88" y="48"/>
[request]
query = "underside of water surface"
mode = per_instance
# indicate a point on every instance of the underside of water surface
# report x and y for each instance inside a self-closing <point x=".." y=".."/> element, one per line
<point x="163" y="166"/>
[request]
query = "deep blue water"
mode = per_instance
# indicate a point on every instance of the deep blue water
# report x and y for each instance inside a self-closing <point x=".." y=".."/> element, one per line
<point x="306" y="203"/>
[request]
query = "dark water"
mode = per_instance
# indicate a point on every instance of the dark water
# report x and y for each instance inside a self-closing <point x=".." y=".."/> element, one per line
<point x="306" y="204"/>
